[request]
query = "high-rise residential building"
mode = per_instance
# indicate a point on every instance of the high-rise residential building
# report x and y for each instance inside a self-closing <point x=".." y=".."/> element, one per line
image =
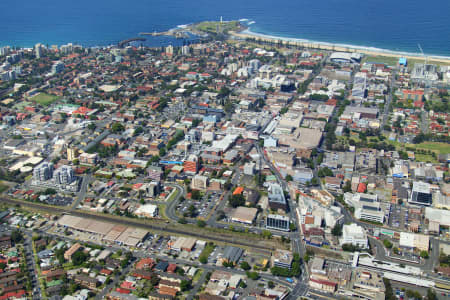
<point x="169" y="50"/>
<point x="57" y="67"/>
<point x="64" y="175"/>
<point x="4" y="50"/>
<point x="43" y="172"/>
<point x="72" y="153"/>
<point x="39" y="50"/>
<point x="185" y="50"/>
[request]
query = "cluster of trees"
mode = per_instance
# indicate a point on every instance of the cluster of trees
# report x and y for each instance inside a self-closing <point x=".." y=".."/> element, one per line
<point x="429" y="137"/>
<point x="103" y="151"/>
<point x="252" y="275"/>
<point x="337" y="230"/>
<point x="17" y="236"/>
<point x="350" y="248"/>
<point x="319" y="97"/>
<point x="444" y="260"/>
<point x="323" y="172"/>
<point x="236" y="200"/>
<point x="387" y="243"/>
<point x="79" y="257"/>
<point x="177" y="137"/>
<point x="117" y="127"/>
<point x="245" y="266"/>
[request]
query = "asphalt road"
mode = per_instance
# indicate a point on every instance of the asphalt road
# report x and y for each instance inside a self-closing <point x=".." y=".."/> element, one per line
<point x="86" y="179"/>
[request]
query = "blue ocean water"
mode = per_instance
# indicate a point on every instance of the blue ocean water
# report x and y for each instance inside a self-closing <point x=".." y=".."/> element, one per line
<point x="397" y="25"/>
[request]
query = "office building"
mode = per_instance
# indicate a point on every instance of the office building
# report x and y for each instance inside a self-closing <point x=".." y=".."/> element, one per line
<point x="282" y="258"/>
<point x="277" y="222"/>
<point x="421" y="194"/>
<point x="249" y="168"/>
<point x="354" y="235"/>
<point x="88" y="158"/>
<point x="276" y="197"/>
<point x="367" y="207"/>
<point x="199" y="182"/>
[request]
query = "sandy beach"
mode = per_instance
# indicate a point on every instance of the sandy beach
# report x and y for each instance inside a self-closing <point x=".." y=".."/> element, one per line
<point x="337" y="47"/>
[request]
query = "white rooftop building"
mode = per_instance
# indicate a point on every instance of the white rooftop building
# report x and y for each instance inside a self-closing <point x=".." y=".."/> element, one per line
<point x="367" y="206"/>
<point x="355" y="235"/>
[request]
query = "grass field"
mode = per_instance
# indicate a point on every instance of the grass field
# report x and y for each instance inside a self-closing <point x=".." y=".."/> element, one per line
<point x="211" y="26"/>
<point x="438" y="148"/>
<point x="45" y="99"/>
<point x="441" y="148"/>
<point x="392" y="61"/>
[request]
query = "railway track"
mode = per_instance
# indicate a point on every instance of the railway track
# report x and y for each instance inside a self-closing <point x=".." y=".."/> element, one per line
<point x="130" y="222"/>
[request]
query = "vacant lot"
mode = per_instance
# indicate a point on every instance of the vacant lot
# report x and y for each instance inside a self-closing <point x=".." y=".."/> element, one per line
<point x="44" y="99"/>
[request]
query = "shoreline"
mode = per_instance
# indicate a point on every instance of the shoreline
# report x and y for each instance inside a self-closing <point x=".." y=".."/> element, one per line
<point x="337" y="47"/>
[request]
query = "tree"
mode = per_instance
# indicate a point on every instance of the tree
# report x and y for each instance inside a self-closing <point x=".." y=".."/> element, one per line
<point x="79" y="257"/>
<point x="292" y="227"/>
<point x="347" y="187"/>
<point x="314" y="181"/>
<point x="16" y="236"/>
<point x="337" y="230"/>
<point x="266" y="234"/>
<point x="270" y="284"/>
<point x="138" y="131"/>
<point x="245" y="266"/>
<point x="196" y="195"/>
<point x="117" y="127"/>
<point x="389" y="293"/>
<point x="288" y="178"/>
<point x="237" y="200"/>
<point x="387" y="243"/>
<point x="252" y="275"/>
<point x="201" y="223"/>
<point x="185" y="285"/>
<point x="424" y="254"/>
<point x="431" y="295"/>
<point x="192" y="211"/>
<point x="325" y="172"/>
